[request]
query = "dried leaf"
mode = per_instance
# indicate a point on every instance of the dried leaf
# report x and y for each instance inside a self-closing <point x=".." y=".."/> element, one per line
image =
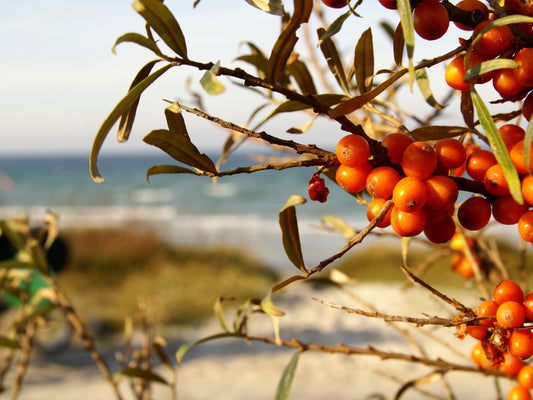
<point x="329" y="50"/>
<point x="339" y="225"/>
<point x="364" y="61"/>
<point x="267" y="305"/>
<point x="274" y="7"/>
<point x="437" y="132"/>
<point x="140" y="373"/>
<point x="290" y="232"/>
<point x="209" y="80"/>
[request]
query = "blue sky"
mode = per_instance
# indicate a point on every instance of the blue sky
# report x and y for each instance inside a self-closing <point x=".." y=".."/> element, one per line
<point x="60" y="78"/>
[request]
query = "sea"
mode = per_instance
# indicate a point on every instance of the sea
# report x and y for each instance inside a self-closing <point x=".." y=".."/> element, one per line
<point x="239" y="211"/>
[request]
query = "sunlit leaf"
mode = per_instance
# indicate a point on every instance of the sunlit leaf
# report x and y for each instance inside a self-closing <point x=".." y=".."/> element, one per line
<point x="406" y="19"/>
<point x="186" y="347"/>
<point x="12" y="231"/>
<point x="209" y="80"/>
<point x="8" y="343"/>
<point x="112" y="118"/>
<point x="287" y="40"/>
<point x="219" y="313"/>
<point x="140" y="373"/>
<point x="498" y="147"/>
<point x="304" y="127"/>
<point x="488" y="66"/>
<point x="333" y="59"/>
<point x="364" y="61"/>
<point x="339" y="225"/>
<point x="292" y="105"/>
<point x="528" y="137"/>
<point x="168" y="169"/>
<point x="299" y="71"/>
<point x="398" y="45"/>
<point x="159" y="344"/>
<point x="284" y="385"/>
<point x="335" y="26"/>
<point x="425" y="380"/>
<point x="437" y="132"/>
<point x="139" y="39"/>
<point x="127" y="118"/>
<point x="267" y="305"/>
<point x="175" y="121"/>
<point x="290" y="232"/>
<point x="423" y="84"/>
<point x="163" y="23"/>
<point x="274" y="7"/>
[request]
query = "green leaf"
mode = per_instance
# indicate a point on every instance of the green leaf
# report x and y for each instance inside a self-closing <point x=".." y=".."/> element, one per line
<point x="127" y="118"/>
<point x="186" y="347"/>
<point x="274" y="7"/>
<point x="219" y="313"/>
<point x="528" y="137"/>
<point x="140" y="373"/>
<point x="398" y="45"/>
<point x="13" y="233"/>
<point x="168" y="169"/>
<point x="9" y="343"/>
<point x="406" y="20"/>
<point x="287" y="40"/>
<point x="159" y="17"/>
<point x="333" y="59"/>
<point x="498" y="146"/>
<point x="339" y="225"/>
<point x="290" y="232"/>
<point x="175" y="121"/>
<point x="425" y="380"/>
<point x="488" y="66"/>
<point x="159" y="344"/>
<point x="335" y="26"/>
<point x="284" y="385"/>
<point x="139" y="39"/>
<point x="267" y="305"/>
<point x="437" y="132"/>
<point x="299" y="71"/>
<point x="327" y="99"/>
<point x="112" y="118"/>
<point x="423" y="84"/>
<point x="364" y="61"/>
<point x="209" y="80"/>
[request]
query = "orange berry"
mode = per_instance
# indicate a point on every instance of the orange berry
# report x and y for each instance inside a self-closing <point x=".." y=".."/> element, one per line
<point x="518" y="392"/>
<point x="335" y="3"/>
<point x="525" y="226"/>
<point x="527" y="106"/>
<point x="478" y="163"/>
<point x="479" y="356"/>
<point x="440" y="232"/>
<point x="505" y="83"/>
<point x="511" y="314"/>
<point x="511" y="365"/>
<point x="507" y="290"/>
<point x="409" y="194"/>
<point x="463" y="266"/>
<point x="396" y="143"/>
<point x="442" y="192"/>
<point x="495" y="181"/>
<point x="458" y="244"/>
<point x="474" y="213"/>
<point x="451" y="153"/>
<point x="455" y="74"/>
<point x="521" y="344"/>
<point x="374" y="208"/>
<point x="390" y="4"/>
<point x="524" y="72"/>
<point x="419" y="159"/>
<point x="507" y="211"/>
<point x="494" y="41"/>
<point x="477" y="331"/>
<point x="407" y="223"/>
<point x="352" y="150"/>
<point x="353" y="179"/>
<point x="487" y="308"/>
<point x="430" y="19"/>
<point x="527" y="189"/>
<point x="525" y="377"/>
<point x="519" y="159"/>
<point x="434" y="215"/>
<point x="511" y="134"/>
<point x="528" y="305"/>
<point x="381" y="182"/>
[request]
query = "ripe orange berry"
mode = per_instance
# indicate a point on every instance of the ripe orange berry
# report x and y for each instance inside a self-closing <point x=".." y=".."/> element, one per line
<point x="440" y="232"/>
<point x="477" y="331"/>
<point x="474" y="213"/>
<point x="527" y="106"/>
<point x="335" y="3"/>
<point x="495" y="181"/>
<point x="487" y="308"/>
<point x="353" y="179"/>
<point x="479" y="356"/>
<point x="518" y="392"/>
<point x="407" y="223"/>
<point x="458" y="244"/>
<point x="352" y="150"/>
<point x="507" y="290"/>
<point x="507" y="211"/>
<point x="455" y="74"/>
<point x="478" y="163"/>
<point x="451" y="153"/>
<point x="396" y="143"/>
<point x="527" y="189"/>
<point x="419" y="159"/>
<point x="521" y="344"/>
<point x="471" y="5"/>
<point x="434" y="215"/>
<point x="409" y="194"/>
<point x="528" y="305"/>
<point x="519" y="159"/>
<point x="511" y="314"/>
<point x="511" y="134"/>
<point x="430" y="19"/>
<point x="511" y="365"/>
<point x="505" y="83"/>
<point x="442" y="192"/>
<point x="390" y="4"/>
<point x="374" y="208"/>
<point x="524" y="72"/>
<point x="462" y="265"/>
<point x="525" y="226"/>
<point x="525" y="377"/>
<point x="381" y="182"/>
<point x="494" y="41"/>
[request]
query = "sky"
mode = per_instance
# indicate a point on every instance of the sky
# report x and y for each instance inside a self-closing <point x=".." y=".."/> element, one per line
<point x="60" y="79"/>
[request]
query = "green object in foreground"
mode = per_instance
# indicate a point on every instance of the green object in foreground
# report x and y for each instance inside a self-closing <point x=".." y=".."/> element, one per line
<point x="32" y="285"/>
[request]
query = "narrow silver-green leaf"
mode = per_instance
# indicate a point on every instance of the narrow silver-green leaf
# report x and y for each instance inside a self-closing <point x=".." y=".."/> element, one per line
<point x="301" y="74"/>
<point x="339" y="225"/>
<point x="422" y="81"/>
<point x="498" y="146"/>
<point x="406" y="19"/>
<point x="219" y="313"/>
<point x="364" y="61"/>
<point x="328" y="99"/>
<point x="159" y="344"/>
<point x="274" y="7"/>
<point x="113" y="117"/>
<point x="335" y="26"/>
<point x="398" y="45"/>
<point x="284" y="385"/>
<point x="168" y="169"/>
<point x="186" y="347"/>
<point x="290" y="232"/>
<point x="162" y="21"/>
<point x="139" y="39"/>
<point x="209" y="80"/>
<point x="267" y="305"/>
<point x="425" y="380"/>
<point x="437" y="132"/>
<point x="528" y="137"/>
<point x="141" y="373"/>
<point x="488" y="66"/>
<point x="334" y="61"/>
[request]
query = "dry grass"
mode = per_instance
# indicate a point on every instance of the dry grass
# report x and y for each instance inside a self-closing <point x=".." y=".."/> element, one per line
<point x="111" y="271"/>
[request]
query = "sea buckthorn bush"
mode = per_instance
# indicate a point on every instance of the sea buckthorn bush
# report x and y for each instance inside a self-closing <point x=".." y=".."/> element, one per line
<point x="440" y="178"/>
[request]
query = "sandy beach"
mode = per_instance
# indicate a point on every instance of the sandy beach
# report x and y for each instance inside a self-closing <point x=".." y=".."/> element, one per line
<point x="229" y="369"/>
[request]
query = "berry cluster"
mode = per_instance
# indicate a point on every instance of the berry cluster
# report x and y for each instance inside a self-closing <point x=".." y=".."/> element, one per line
<point x="505" y="338"/>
